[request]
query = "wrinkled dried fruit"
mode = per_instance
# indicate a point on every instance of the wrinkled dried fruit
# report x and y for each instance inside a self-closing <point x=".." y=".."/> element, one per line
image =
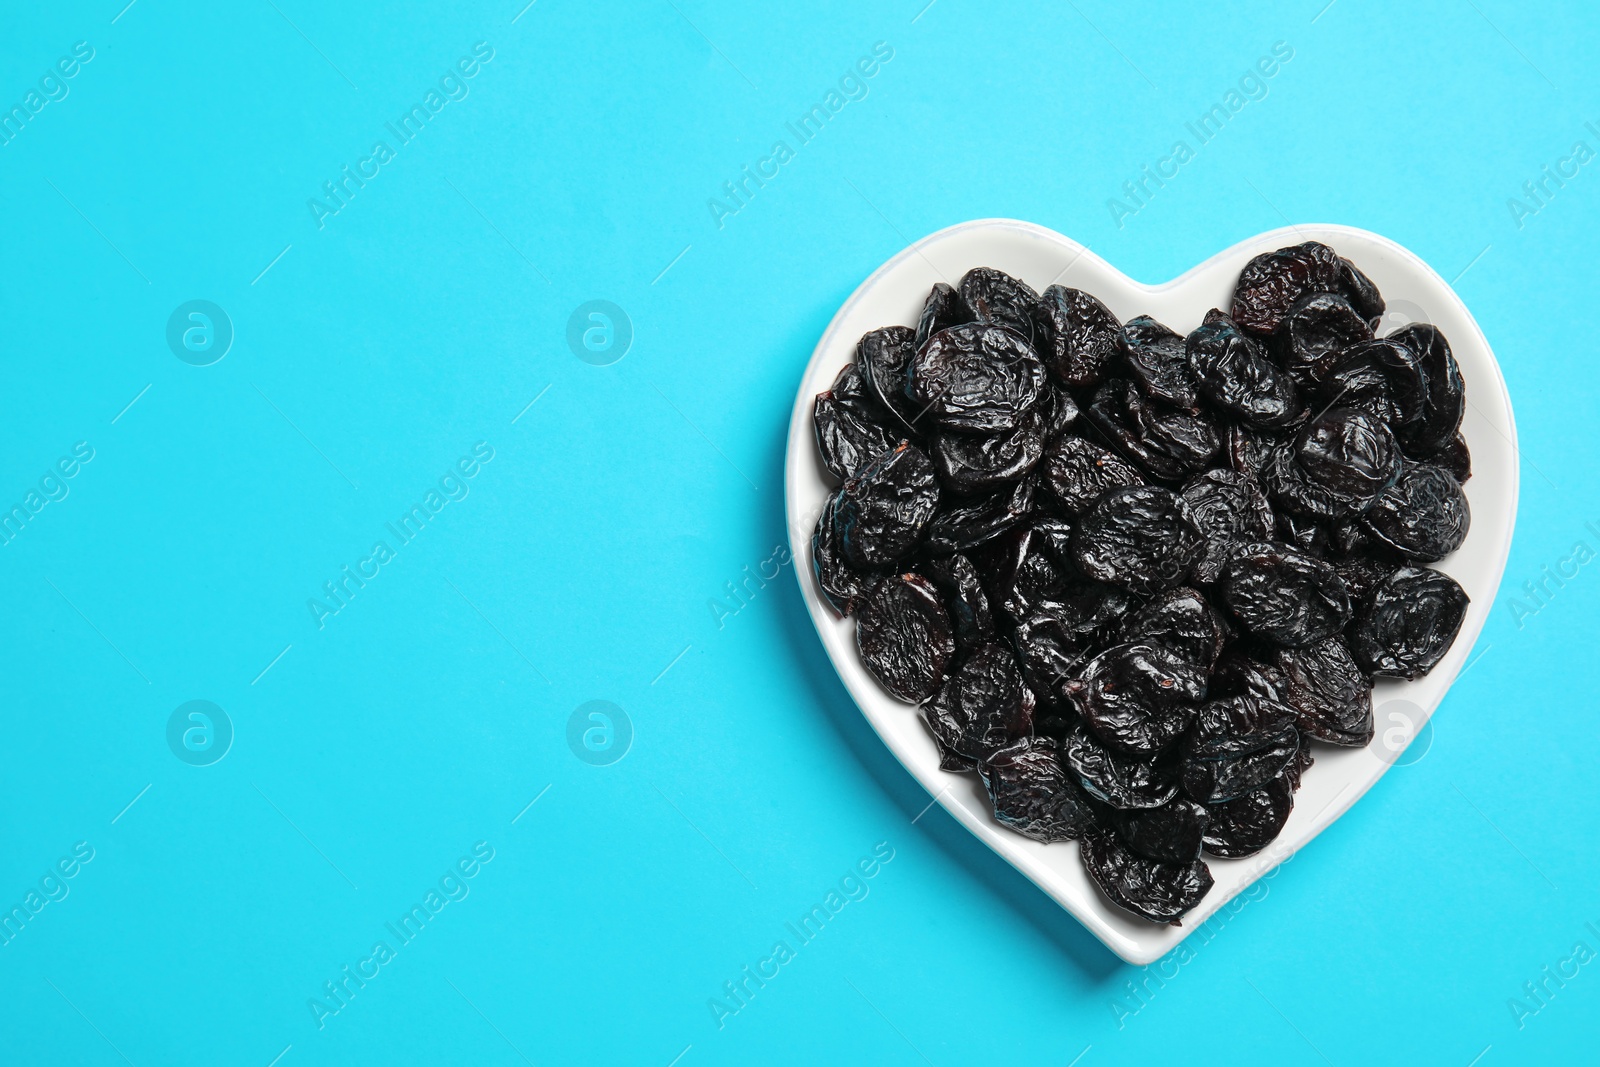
<point x="884" y="356"/>
<point x="841" y="582"/>
<point x="1229" y="509"/>
<point x="993" y="297"/>
<point x="1172" y="833"/>
<point x="905" y="638"/>
<point x="1318" y="325"/>
<point x="1424" y="515"/>
<point x="1165" y="442"/>
<point x="1160" y="363"/>
<point x="1137" y="538"/>
<point x="1082" y="339"/>
<point x="1408" y="623"/>
<point x="1161" y="892"/>
<point x="1182" y="621"/>
<point x="970" y="464"/>
<point x="1033" y="795"/>
<point x="1447" y="393"/>
<point x="942" y="310"/>
<point x="1124" y="782"/>
<point x="1330" y="696"/>
<point x="957" y="579"/>
<point x="975" y="379"/>
<point x="1271" y="283"/>
<point x="1237" y="745"/>
<point x="1237" y="377"/>
<point x="1139" y="699"/>
<point x="883" y="509"/>
<point x="1284" y="595"/>
<point x="849" y="425"/>
<point x="984" y="706"/>
<point x="1246" y="825"/>
<point x="1075" y="473"/>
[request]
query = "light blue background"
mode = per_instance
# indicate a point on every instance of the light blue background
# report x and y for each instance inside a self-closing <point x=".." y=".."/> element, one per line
<point x="430" y="711"/>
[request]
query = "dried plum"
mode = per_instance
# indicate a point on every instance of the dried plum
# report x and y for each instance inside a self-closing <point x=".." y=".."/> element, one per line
<point x="1338" y="465"/>
<point x="1317" y="326"/>
<point x="1160" y="364"/>
<point x="1330" y="696"/>
<point x="1161" y="892"/>
<point x="1137" y="538"/>
<point x="905" y="637"/>
<point x="1082" y="340"/>
<point x="1172" y="833"/>
<point x="884" y="356"/>
<point x="993" y="297"/>
<point x="970" y="464"/>
<point x="1237" y="745"/>
<point x="1075" y="473"/>
<point x="1271" y="283"/>
<point x="1408" y="623"/>
<point x="1123" y="782"/>
<point x="1364" y="296"/>
<point x="983" y="707"/>
<point x="1447" y="393"/>
<point x="1165" y="442"/>
<point x="842" y="583"/>
<point x="849" y="425"/>
<point x="1181" y="620"/>
<point x="1033" y="795"/>
<point x="1456" y="458"/>
<point x="964" y="599"/>
<point x="1228" y="508"/>
<point x="970" y="523"/>
<point x="1248" y="448"/>
<point x="1246" y="825"/>
<point x="1382" y="376"/>
<point x="1139" y="699"/>
<point x="883" y="509"/>
<point x="942" y="310"/>
<point x="1424" y="515"/>
<point x="975" y="378"/>
<point x="1237" y="377"/>
<point x="1284" y="595"/>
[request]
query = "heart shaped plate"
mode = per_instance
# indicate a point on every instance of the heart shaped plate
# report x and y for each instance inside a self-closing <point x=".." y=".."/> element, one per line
<point x="1041" y="257"/>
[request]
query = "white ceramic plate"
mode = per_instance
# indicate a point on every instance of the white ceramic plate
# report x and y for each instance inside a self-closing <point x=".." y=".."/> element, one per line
<point x="1041" y="257"/>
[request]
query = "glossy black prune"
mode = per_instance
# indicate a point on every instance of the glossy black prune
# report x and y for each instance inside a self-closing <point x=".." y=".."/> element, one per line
<point x="1082" y="340"/>
<point x="1160" y="892"/>
<point x="1139" y="699"/>
<point x="1124" y="782"/>
<point x="1423" y="516"/>
<point x="1237" y="377"/>
<point x="1447" y="393"/>
<point x="1382" y="376"/>
<point x="1181" y="620"/>
<point x="1361" y="575"/>
<point x="884" y="356"/>
<point x="964" y="599"/>
<point x="1363" y="295"/>
<point x="1249" y="449"/>
<point x="1318" y="325"/>
<point x="1283" y="595"/>
<point x="969" y="464"/>
<point x="1408" y="623"/>
<point x="1166" y="443"/>
<point x="1172" y="833"/>
<point x="1237" y="745"/>
<point x="1159" y="360"/>
<point x="1074" y="473"/>
<point x="849" y="425"/>
<point x="1271" y="283"/>
<point x="843" y="584"/>
<point x="1456" y="458"/>
<point x="1331" y="698"/>
<point x="883" y="509"/>
<point x="1137" y="538"/>
<point x="1246" y="825"/>
<point x="905" y="638"/>
<point x="984" y="705"/>
<point x="1033" y="795"/>
<point x="1229" y="509"/>
<point x="993" y="297"/>
<point x="942" y="310"/>
<point x="1338" y="464"/>
<point x="970" y="523"/>
<point x="975" y="378"/>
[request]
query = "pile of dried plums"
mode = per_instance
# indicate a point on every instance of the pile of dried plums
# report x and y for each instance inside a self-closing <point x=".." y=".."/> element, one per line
<point x="1132" y="576"/>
